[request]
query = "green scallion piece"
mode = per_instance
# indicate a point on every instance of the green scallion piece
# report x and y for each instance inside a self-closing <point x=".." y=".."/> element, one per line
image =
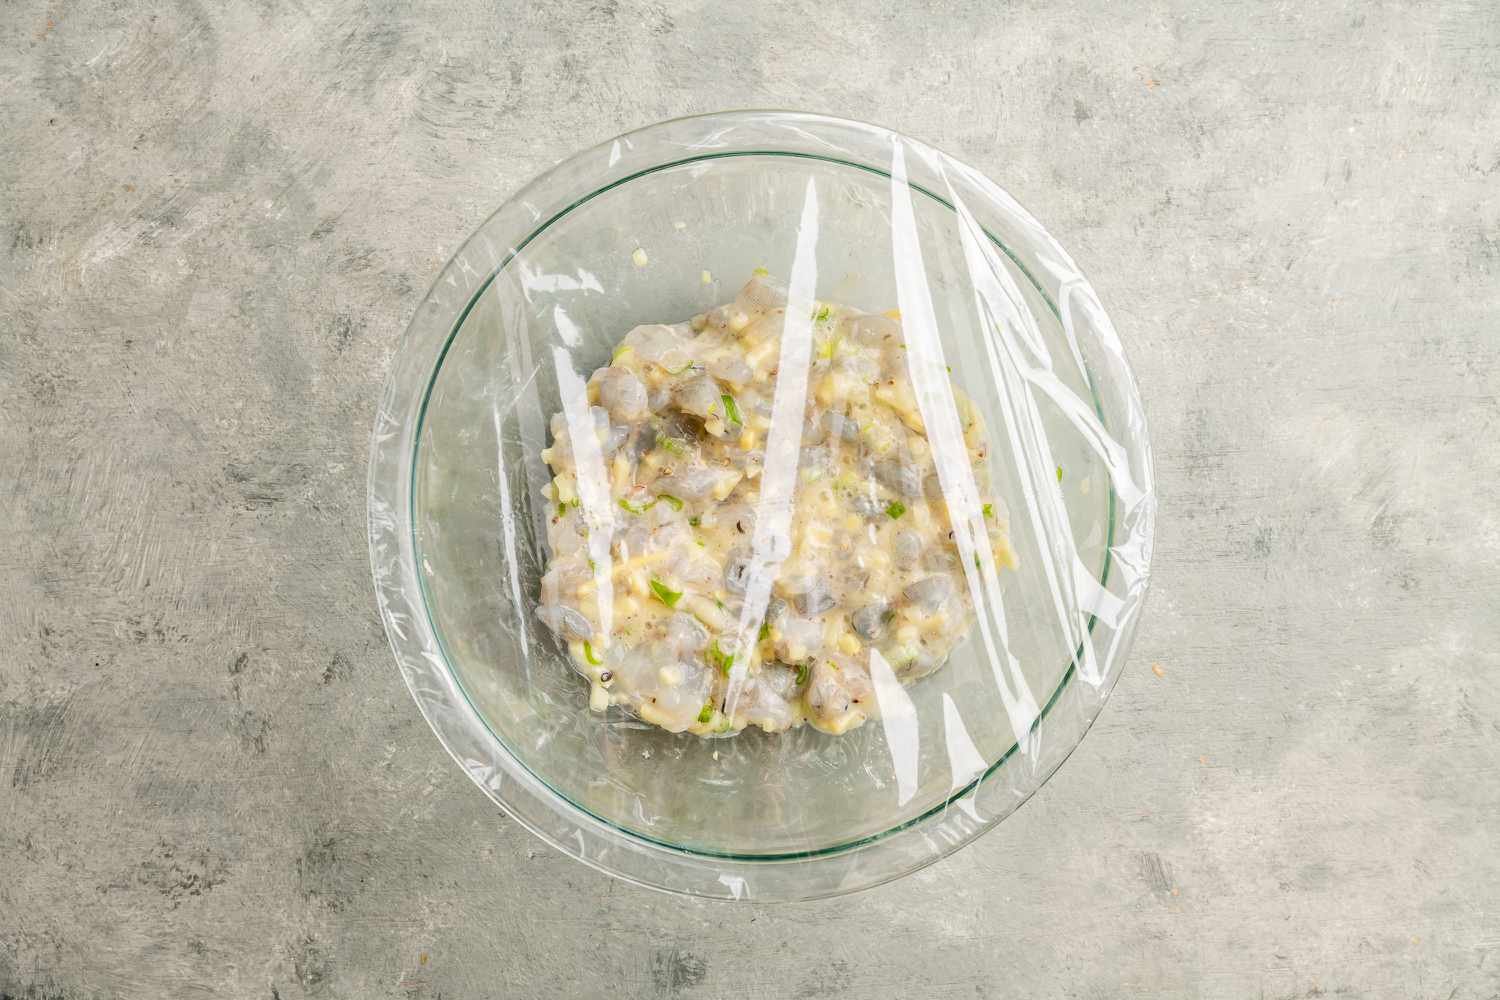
<point x="665" y="594"/>
<point x="724" y="661"/>
<point x="895" y="509"/>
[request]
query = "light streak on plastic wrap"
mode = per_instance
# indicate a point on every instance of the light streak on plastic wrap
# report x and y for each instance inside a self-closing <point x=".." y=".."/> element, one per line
<point x="850" y="214"/>
<point x="507" y="526"/>
<point x="965" y="762"/>
<point x="945" y="435"/>
<point x="773" y="516"/>
<point x="1020" y="361"/>
<point x="898" y="718"/>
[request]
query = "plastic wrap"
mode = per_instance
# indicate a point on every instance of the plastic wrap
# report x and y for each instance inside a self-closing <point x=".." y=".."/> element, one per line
<point x="670" y="223"/>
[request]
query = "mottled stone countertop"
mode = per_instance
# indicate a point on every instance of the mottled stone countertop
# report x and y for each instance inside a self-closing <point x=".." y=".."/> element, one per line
<point x="215" y="221"/>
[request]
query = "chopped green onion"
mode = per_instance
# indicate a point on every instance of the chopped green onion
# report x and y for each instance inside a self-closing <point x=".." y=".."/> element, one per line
<point x="724" y="661"/>
<point x="620" y="352"/>
<point x="989" y="510"/>
<point x="641" y="508"/>
<point x="895" y="509"/>
<point x="695" y="520"/>
<point x="671" y="446"/>
<point x="731" y="409"/>
<point x="760" y="272"/>
<point x="707" y="712"/>
<point x="820" y="315"/>
<point x="588" y="654"/>
<point x="1059" y="473"/>
<point x="562" y="509"/>
<point x="665" y="594"/>
<point x="802" y="670"/>
<point x="765" y="631"/>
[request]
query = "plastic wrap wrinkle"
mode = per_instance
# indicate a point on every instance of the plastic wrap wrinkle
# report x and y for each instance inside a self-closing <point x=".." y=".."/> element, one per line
<point x="965" y="762"/>
<point x="784" y="440"/>
<point x="1070" y="284"/>
<point x="898" y="719"/>
<point x="1001" y="299"/>
<point x="935" y="399"/>
<point x="580" y="281"/>
<point x="508" y="532"/>
<point x="508" y="335"/>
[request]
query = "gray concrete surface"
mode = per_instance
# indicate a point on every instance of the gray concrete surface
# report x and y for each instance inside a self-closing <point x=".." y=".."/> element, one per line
<point x="215" y="220"/>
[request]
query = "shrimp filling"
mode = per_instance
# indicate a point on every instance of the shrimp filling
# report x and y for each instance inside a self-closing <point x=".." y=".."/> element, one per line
<point x="705" y="592"/>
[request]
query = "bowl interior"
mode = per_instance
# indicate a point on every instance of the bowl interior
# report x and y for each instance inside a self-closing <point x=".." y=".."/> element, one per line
<point x="551" y="314"/>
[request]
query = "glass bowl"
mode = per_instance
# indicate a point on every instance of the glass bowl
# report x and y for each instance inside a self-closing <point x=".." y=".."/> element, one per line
<point x="656" y="226"/>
